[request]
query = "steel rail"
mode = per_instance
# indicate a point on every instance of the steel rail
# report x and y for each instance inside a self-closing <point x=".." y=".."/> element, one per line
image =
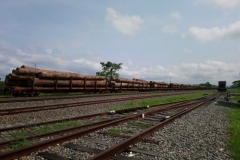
<point x="59" y="106"/>
<point x="89" y="116"/>
<point x="6" y="143"/>
<point x="111" y="152"/>
<point x="27" y="150"/>
<point x="66" y="97"/>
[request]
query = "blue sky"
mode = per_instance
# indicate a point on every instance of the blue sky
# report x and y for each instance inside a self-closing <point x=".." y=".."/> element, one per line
<point x="192" y="42"/>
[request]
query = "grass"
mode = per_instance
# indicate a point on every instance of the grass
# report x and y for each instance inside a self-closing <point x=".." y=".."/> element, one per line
<point x="234" y="90"/>
<point x="21" y="143"/>
<point x="22" y="140"/>
<point x="99" y="119"/>
<point x="235" y="98"/>
<point x="40" y="130"/>
<point x="56" y="127"/>
<point x="18" y="135"/>
<point x="119" y="131"/>
<point x="142" y="125"/>
<point x="234" y="129"/>
<point x="162" y="100"/>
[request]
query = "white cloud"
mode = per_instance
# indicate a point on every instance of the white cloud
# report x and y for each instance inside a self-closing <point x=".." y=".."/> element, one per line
<point x="222" y="3"/>
<point x="176" y="15"/>
<point x="87" y="63"/>
<point x="125" y="24"/>
<point x="187" y="73"/>
<point x="49" y="51"/>
<point x="216" y="33"/>
<point x="183" y="35"/>
<point x="169" y="29"/>
<point x="186" y="50"/>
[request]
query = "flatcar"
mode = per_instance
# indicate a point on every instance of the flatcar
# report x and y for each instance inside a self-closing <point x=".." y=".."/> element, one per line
<point x="28" y="81"/>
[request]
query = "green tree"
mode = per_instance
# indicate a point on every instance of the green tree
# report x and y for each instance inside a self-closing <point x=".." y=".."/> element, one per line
<point x="2" y="84"/>
<point x="109" y="70"/>
<point x="235" y="84"/>
<point x="209" y="85"/>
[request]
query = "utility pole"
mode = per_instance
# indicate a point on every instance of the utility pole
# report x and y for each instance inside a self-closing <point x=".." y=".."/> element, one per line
<point x="170" y="79"/>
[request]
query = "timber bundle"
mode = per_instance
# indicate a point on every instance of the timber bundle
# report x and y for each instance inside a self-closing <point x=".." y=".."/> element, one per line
<point x="41" y="79"/>
<point x="27" y="78"/>
<point x="31" y="81"/>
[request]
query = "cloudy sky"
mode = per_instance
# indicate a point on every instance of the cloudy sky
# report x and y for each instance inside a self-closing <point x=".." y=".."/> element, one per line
<point x="192" y="42"/>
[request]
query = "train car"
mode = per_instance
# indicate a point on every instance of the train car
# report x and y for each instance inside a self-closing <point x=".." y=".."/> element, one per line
<point x="174" y="87"/>
<point x="28" y="81"/>
<point x="123" y="84"/>
<point x="222" y="86"/>
<point x="158" y="85"/>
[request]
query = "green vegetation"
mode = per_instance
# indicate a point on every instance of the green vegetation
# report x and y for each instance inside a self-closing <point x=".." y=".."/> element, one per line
<point x="46" y="129"/>
<point x="209" y="85"/>
<point x="119" y="131"/>
<point x="162" y="101"/>
<point x="22" y="140"/>
<point x="109" y="70"/>
<point x="18" y="135"/>
<point x="99" y="119"/>
<point x="21" y="143"/>
<point x="235" y="84"/>
<point x="40" y="130"/>
<point x="234" y="129"/>
<point x="56" y="127"/>
<point x="2" y="84"/>
<point x="143" y="125"/>
<point x="236" y="98"/>
<point x="234" y="90"/>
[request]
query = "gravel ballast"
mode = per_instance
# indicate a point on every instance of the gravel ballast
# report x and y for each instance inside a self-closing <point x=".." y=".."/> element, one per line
<point x="201" y="134"/>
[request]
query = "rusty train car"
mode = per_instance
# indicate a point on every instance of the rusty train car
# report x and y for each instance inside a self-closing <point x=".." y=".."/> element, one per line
<point x="222" y="86"/>
<point x="28" y="81"/>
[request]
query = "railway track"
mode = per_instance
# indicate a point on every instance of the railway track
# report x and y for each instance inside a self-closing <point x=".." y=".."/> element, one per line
<point x="26" y="99"/>
<point x="60" y="106"/>
<point x="163" y="119"/>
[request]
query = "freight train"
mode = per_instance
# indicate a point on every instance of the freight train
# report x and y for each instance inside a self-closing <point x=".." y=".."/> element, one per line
<point x="222" y="86"/>
<point x="28" y="81"/>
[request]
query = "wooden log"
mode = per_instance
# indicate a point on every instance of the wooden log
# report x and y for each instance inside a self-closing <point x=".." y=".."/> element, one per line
<point x="50" y="74"/>
<point x="123" y="80"/>
<point x="32" y="68"/>
<point x="18" y="77"/>
<point x="129" y="85"/>
<point x="13" y="71"/>
<point x="65" y="83"/>
<point x="8" y="82"/>
<point x="26" y="71"/>
<point x="141" y="80"/>
<point x="49" y="89"/>
<point x="62" y="75"/>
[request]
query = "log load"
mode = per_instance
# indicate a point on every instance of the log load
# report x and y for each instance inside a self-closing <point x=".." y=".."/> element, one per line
<point x="140" y="80"/>
<point x="29" y="78"/>
<point x="124" y="80"/>
<point x="65" y="83"/>
<point x="128" y="85"/>
<point x="65" y="75"/>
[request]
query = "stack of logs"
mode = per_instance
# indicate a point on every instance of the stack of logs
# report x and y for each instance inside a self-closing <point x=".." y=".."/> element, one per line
<point x="41" y="79"/>
<point x="127" y="84"/>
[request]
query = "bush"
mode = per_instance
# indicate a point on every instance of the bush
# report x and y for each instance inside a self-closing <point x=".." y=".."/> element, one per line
<point x="2" y="84"/>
